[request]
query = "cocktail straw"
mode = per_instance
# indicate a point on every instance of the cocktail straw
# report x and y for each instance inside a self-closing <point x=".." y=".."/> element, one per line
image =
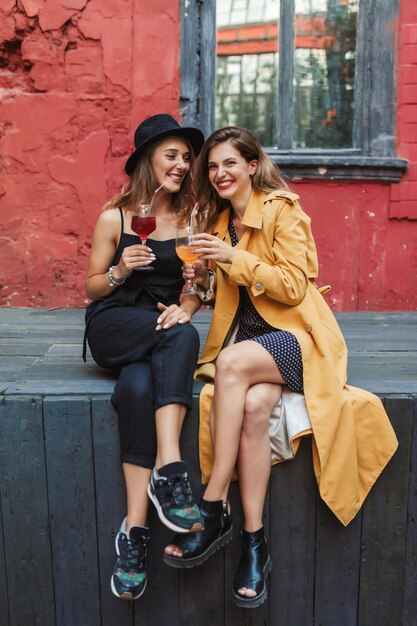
<point x="193" y="212"/>
<point x="154" y="194"/>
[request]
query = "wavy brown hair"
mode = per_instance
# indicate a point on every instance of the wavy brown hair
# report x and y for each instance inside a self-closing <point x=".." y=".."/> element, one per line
<point x="267" y="178"/>
<point x="142" y="184"/>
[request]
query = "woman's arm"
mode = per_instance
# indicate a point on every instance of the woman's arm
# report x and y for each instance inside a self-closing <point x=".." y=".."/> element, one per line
<point x="103" y="248"/>
<point x="285" y="277"/>
<point x="102" y="252"/>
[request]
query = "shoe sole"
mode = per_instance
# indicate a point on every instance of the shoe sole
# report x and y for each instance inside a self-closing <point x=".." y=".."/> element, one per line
<point x="126" y="595"/>
<point x="252" y="603"/>
<point x="181" y="563"/>
<point x="197" y="526"/>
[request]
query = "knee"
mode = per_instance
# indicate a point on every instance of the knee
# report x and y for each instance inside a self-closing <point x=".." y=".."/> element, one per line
<point x="185" y="336"/>
<point x="256" y="414"/>
<point x="228" y="367"/>
<point x="129" y="392"/>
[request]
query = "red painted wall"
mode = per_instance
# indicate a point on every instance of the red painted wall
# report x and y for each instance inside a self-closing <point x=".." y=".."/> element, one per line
<point x="77" y="76"/>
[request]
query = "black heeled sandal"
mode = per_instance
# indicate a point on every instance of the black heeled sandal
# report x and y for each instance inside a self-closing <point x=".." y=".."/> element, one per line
<point x="254" y="566"/>
<point x="199" y="546"/>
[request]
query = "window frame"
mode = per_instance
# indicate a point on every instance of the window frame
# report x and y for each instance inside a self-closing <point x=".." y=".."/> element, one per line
<point x="374" y="158"/>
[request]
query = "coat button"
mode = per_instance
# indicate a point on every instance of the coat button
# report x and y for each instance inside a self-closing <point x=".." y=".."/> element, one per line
<point x="309" y="328"/>
<point x="259" y="286"/>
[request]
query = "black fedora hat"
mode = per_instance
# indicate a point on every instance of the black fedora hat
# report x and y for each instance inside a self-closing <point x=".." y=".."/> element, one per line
<point x="157" y="127"/>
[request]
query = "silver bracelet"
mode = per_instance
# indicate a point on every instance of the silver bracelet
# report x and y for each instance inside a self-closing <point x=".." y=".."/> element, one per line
<point x="112" y="281"/>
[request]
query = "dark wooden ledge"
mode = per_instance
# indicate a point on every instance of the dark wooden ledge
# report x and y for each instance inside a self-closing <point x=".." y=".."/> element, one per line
<point x="40" y="352"/>
<point x="62" y="498"/>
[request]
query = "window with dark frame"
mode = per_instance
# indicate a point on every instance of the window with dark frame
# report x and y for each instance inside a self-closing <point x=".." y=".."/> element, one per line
<point x="309" y="77"/>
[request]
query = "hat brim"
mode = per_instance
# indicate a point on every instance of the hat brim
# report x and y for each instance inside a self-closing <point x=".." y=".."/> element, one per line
<point x="194" y="136"/>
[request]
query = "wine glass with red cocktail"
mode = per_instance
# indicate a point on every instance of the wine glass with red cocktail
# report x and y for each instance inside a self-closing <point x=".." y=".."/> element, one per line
<point x="143" y="224"/>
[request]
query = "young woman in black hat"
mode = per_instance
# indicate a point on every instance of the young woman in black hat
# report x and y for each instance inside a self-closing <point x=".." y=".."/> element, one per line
<point x="137" y="326"/>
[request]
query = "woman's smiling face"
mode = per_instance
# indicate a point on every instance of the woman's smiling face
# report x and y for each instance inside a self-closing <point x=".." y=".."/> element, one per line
<point x="229" y="173"/>
<point x="170" y="163"/>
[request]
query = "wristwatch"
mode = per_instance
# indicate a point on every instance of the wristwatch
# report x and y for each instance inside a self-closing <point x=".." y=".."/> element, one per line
<point x="112" y="281"/>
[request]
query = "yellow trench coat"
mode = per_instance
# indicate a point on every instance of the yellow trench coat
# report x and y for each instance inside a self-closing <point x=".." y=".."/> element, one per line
<point x="352" y="438"/>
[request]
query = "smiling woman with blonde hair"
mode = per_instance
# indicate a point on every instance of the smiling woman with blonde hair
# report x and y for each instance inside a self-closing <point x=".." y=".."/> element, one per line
<point x="137" y="326"/>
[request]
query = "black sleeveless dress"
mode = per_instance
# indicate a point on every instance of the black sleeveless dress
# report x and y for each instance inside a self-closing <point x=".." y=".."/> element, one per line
<point x="109" y="336"/>
<point x="155" y="367"/>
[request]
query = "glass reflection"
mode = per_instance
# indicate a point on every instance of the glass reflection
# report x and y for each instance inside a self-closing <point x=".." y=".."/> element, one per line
<point x="324" y="72"/>
<point x="247" y="58"/>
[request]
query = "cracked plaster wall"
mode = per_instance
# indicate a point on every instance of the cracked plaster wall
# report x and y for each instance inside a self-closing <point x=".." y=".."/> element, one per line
<point x="76" y="76"/>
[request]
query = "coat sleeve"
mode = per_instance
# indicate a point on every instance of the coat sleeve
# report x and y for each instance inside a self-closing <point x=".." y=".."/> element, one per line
<point x="286" y="278"/>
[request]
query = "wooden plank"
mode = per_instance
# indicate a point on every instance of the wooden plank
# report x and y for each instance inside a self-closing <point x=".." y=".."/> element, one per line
<point x="16" y="363"/>
<point x="198" y="31"/>
<point x="25" y="512"/>
<point x="292" y="535"/>
<point x="179" y="590"/>
<point x="110" y="506"/>
<point x="384" y="519"/>
<point x="285" y="118"/>
<point x="19" y="348"/>
<point x="410" y="585"/>
<point x="161" y="602"/>
<point x="4" y="602"/>
<point x="234" y="615"/>
<point x="202" y="589"/>
<point x="337" y="568"/>
<point x="72" y="509"/>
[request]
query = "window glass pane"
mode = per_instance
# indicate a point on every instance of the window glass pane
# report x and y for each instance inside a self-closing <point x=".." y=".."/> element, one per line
<point x="324" y="72"/>
<point x="223" y="12"/>
<point x="247" y="57"/>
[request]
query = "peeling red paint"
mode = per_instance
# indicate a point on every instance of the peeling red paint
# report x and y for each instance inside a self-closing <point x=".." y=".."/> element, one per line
<point x="76" y="76"/>
<point x="69" y="104"/>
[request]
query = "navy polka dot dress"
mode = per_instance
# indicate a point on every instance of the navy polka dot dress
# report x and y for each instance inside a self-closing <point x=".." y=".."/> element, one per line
<point x="281" y="344"/>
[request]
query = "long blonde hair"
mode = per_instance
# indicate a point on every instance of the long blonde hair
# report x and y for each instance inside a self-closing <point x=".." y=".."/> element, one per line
<point x="267" y="177"/>
<point x="142" y="184"/>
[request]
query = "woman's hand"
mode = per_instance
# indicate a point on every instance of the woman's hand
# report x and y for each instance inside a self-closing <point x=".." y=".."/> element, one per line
<point x="210" y="247"/>
<point x="171" y="315"/>
<point x="195" y="272"/>
<point x="134" y="256"/>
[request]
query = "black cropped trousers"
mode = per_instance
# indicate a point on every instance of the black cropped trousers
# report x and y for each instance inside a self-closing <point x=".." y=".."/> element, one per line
<point x="155" y="369"/>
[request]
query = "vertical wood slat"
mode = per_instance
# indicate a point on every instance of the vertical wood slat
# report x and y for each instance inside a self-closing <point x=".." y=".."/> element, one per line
<point x="200" y="594"/>
<point x="25" y="513"/>
<point x="286" y="74"/>
<point x="337" y="569"/>
<point x="72" y="509"/>
<point x="234" y="615"/>
<point x="410" y="584"/>
<point x="198" y="64"/>
<point x="384" y="520"/>
<point x="292" y="536"/>
<point x="4" y="603"/>
<point x="207" y="66"/>
<point x="162" y="603"/>
<point x="375" y="92"/>
<point x="189" y="25"/>
<point x="110" y="506"/>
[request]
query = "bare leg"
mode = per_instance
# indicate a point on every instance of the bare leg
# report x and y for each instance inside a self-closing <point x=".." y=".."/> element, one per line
<point x="137" y="479"/>
<point x="255" y="456"/>
<point x="238" y="368"/>
<point x="169" y="420"/>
